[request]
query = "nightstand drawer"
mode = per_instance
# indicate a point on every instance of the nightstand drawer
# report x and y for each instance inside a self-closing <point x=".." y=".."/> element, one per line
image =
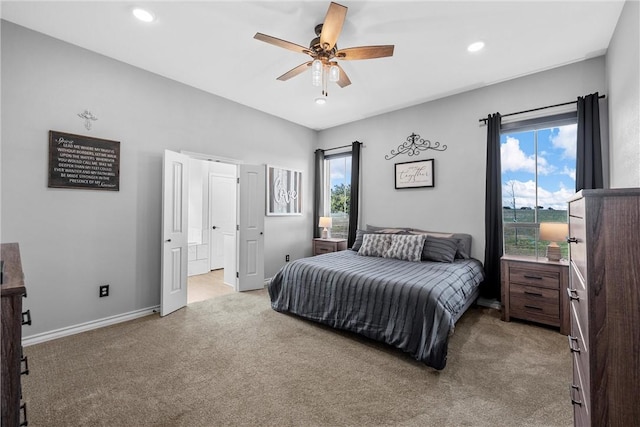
<point x="324" y="247"/>
<point x="534" y="303"/>
<point x="536" y="277"/>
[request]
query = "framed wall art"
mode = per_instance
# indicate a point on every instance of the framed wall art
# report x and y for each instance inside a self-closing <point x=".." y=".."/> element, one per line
<point x="83" y="162"/>
<point x="416" y="174"/>
<point x="284" y="191"/>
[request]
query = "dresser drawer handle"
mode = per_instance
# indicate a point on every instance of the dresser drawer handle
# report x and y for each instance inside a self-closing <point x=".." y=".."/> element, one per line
<point x="24" y="360"/>
<point x="23" y="409"/>
<point x="572" y="391"/>
<point x="533" y="294"/>
<point x="533" y="307"/>
<point x="26" y="317"/>
<point x="572" y="340"/>
<point x="526" y="276"/>
<point x="573" y="294"/>
<point x="572" y="240"/>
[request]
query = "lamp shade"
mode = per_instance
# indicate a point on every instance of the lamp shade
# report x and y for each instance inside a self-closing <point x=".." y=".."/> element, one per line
<point x="325" y="221"/>
<point x="553" y="231"/>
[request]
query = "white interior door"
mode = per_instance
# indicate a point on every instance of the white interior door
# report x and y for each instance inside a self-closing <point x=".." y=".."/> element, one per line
<point x="222" y="202"/>
<point x="251" y="208"/>
<point x="175" y="190"/>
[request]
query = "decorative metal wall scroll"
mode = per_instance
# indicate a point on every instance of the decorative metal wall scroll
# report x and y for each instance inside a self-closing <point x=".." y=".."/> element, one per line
<point x="413" y="146"/>
<point x="88" y="117"/>
<point x="284" y="191"/>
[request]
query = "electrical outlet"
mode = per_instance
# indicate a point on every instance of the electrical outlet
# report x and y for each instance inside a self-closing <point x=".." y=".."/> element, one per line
<point x="286" y="258"/>
<point x="104" y="291"/>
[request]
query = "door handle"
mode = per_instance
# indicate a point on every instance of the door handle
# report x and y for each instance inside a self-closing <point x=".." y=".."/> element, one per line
<point x="261" y="233"/>
<point x="214" y="227"/>
<point x="167" y="241"/>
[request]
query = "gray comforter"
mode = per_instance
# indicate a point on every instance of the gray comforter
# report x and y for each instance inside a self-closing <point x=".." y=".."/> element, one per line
<point x="409" y="305"/>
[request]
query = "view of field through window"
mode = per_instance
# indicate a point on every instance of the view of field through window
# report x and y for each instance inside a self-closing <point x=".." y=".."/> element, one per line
<point x="538" y="177"/>
<point x="339" y="177"/>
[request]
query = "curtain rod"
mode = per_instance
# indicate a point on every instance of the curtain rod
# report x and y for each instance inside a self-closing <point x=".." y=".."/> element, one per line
<point x="537" y="109"/>
<point x="337" y="148"/>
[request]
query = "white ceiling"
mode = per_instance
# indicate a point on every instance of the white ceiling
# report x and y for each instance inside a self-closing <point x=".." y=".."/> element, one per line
<point x="209" y="45"/>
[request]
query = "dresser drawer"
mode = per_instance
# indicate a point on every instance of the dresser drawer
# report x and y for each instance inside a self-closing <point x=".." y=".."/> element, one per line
<point x="579" y="350"/>
<point x="535" y="303"/>
<point x="579" y="308"/>
<point x="576" y="208"/>
<point x="537" y="277"/>
<point x="578" y="249"/>
<point x="579" y="399"/>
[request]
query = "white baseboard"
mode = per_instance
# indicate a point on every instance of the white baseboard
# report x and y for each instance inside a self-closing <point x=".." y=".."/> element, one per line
<point x="490" y="303"/>
<point x="87" y="326"/>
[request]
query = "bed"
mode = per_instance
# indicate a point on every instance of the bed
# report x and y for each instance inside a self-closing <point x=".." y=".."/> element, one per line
<point x="409" y="304"/>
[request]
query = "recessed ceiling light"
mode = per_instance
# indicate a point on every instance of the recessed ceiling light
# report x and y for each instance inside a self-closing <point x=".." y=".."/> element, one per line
<point x="321" y="101"/>
<point x="474" y="47"/>
<point x="143" y="15"/>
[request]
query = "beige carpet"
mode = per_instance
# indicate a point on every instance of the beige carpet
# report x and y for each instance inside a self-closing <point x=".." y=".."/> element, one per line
<point x="233" y="361"/>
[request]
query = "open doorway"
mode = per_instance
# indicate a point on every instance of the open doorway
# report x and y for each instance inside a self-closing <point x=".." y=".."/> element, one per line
<point x="249" y="242"/>
<point x="211" y="229"/>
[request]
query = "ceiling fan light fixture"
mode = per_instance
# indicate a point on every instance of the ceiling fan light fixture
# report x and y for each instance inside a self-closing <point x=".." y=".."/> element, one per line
<point x="321" y="100"/>
<point x="316" y="72"/>
<point x="143" y="15"/>
<point x="334" y="73"/>
<point x="475" y="47"/>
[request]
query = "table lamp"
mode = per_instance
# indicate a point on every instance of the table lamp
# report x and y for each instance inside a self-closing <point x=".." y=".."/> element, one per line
<point x="325" y="222"/>
<point x="553" y="232"/>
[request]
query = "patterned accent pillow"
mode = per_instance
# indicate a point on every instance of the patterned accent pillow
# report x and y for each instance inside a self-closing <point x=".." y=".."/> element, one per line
<point x="439" y="249"/>
<point x="375" y="244"/>
<point x="406" y="247"/>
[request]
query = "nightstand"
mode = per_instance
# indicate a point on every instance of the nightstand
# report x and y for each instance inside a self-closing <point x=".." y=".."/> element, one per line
<point x="535" y="290"/>
<point x="324" y="246"/>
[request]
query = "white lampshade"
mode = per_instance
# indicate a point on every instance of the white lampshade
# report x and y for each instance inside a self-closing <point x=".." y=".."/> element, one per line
<point x="553" y="231"/>
<point x="325" y="221"/>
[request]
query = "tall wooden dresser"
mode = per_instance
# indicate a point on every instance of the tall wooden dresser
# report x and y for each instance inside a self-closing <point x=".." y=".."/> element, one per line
<point x="14" y="364"/>
<point x="604" y="293"/>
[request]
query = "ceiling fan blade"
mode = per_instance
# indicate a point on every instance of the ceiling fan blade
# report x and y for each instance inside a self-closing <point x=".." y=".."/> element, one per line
<point x="282" y="43"/>
<point x="332" y="26"/>
<point x="295" y="71"/>
<point x="365" y="52"/>
<point x="344" y="79"/>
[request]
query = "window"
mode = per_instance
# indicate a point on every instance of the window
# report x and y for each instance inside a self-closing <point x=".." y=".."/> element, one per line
<point x="338" y="192"/>
<point x="538" y="159"/>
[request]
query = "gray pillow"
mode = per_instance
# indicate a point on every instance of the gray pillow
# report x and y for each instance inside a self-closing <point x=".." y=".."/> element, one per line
<point x="462" y="240"/>
<point x="439" y="249"/>
<point x="387" y="230"/>
<point x="358" y="242"/>
<point x="375" y="244"/>
<point x="406" y="247"/>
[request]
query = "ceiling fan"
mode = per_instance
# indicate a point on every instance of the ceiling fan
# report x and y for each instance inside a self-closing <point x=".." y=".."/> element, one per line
<point x="324" y="51"/>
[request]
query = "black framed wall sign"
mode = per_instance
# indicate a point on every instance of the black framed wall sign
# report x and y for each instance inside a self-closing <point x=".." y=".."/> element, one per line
<point x="77" y="161"/>
<point x="416" y="174"/>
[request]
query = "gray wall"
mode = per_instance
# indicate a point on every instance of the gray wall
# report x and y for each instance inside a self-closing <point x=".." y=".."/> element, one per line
<point x="623" y="87"/>
<point x="456" y="203"/>
<point x="74" y="240"/>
